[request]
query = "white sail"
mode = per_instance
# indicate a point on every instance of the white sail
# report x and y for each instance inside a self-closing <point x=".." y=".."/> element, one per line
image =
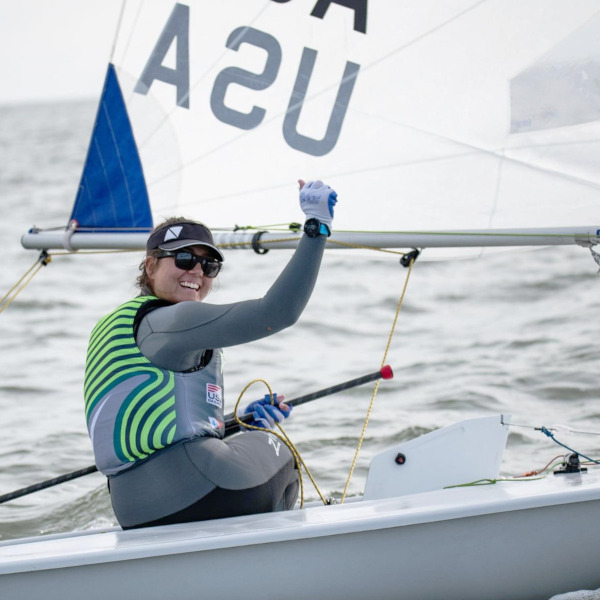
<point x="440" y="123"/>
<point x="473" y="117"/>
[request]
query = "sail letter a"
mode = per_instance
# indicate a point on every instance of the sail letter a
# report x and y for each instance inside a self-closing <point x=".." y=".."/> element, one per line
<point x="358" y="6"/>
<point x="177" y="28"/>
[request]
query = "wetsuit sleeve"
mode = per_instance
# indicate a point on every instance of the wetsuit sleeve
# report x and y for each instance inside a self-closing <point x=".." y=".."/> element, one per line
<point x="175" y="336"/>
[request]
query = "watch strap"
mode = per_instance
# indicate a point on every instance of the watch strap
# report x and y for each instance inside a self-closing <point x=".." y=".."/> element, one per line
<point x="324" y="230"/>
<point x="314" y="227"/>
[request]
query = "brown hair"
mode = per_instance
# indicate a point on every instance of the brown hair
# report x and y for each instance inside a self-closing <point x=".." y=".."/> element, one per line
<point x="143" y="281"/>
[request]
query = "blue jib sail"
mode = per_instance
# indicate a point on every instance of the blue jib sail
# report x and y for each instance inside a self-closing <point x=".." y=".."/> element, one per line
<point x="112" y="192"/>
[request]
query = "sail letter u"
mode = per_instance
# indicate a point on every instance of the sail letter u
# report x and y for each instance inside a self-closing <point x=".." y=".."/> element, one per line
<point x="290" y="123"/>
<point x="177" y="27"/>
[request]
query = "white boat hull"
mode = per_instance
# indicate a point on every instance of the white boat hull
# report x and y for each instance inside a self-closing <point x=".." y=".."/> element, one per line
<point x="509" y="540"/>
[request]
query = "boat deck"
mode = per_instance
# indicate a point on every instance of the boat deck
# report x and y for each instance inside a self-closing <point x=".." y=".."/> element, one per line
<point x="92" y="547"/>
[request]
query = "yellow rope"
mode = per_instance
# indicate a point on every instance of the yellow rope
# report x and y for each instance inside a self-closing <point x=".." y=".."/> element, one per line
<point x="43" y="259"/>
<point x="249" y="244"/>
<point x="87" y="252"/>
<point x="376" y="388"/>
<point x="283" y="437"/>
<point x="361" y="247"/>
<point x="329" y="241"/>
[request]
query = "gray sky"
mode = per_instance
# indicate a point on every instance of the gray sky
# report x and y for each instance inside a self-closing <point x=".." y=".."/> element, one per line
<point x="54" y="49"/>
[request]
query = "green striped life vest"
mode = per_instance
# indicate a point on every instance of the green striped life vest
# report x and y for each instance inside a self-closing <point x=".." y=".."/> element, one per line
<point x="134" y="408"/>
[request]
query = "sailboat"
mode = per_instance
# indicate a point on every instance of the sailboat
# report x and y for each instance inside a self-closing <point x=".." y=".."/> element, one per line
<point x="449" y="129"/>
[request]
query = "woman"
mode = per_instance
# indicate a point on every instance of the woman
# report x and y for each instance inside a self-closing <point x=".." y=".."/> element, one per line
<point x="154" y="386"/>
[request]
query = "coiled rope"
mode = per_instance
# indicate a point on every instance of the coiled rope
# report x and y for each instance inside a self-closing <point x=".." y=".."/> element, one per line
<point x="283" y="436"/>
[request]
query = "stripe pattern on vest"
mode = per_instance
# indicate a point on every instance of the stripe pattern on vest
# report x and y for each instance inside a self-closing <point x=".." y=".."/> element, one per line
<point x="146" y="419"/>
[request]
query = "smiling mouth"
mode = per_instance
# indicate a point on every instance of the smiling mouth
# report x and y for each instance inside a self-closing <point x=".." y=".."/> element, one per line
<point x="190" y="285"/>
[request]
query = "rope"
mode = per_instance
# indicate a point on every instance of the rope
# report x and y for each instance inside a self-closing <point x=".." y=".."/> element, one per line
<point x="376" y="388"/>
<point x="549" y="465"/>
<point x="532" y="476"/>
<point x="362" y="247"/>
<point x="43" y="259"/>
<point x="281" y="436"/>
<point x="257" y="242"/>
<point x="547" y="432"/>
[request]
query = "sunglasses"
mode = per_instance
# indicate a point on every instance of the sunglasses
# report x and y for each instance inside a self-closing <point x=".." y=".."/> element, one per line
<point x="186" y="261"/>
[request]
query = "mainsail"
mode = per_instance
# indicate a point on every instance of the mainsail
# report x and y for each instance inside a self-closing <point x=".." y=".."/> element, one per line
<point x="462" y="123"/>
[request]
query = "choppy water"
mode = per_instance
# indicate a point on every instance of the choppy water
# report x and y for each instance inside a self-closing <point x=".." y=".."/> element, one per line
<point x="509" y="333"/>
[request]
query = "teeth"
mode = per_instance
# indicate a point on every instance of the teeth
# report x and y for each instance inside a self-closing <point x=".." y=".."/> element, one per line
<point x="189" y="284"/>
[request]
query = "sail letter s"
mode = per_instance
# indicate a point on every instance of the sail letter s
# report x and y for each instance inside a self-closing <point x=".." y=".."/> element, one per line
<point x="177" y="27"/>
<point x="254" y="81"/>
<point x="359" y="7"/>
<point x="290" y="131"/>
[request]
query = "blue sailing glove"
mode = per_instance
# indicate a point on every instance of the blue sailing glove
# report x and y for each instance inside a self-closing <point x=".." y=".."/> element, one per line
<point x="265" y="414"/>
<point x="317" y="200"/>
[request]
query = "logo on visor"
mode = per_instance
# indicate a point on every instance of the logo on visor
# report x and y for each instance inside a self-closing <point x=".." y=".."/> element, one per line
<point x="173" y="233"/>
<point x="214" y="395"/>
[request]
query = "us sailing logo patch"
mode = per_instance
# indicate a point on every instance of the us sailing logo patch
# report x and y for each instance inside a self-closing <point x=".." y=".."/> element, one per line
<point x="214" y="395"/>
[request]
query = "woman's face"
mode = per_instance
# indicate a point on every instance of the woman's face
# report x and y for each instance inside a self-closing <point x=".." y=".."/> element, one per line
<point x="177" y="285"/>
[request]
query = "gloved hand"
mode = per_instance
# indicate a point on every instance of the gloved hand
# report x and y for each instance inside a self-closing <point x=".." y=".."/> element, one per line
<point x="265" y="414"/>
<point x="317" y="201"/>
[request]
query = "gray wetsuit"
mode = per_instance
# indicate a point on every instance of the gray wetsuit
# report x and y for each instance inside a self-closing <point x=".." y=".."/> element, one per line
<point x="206" y="477"/>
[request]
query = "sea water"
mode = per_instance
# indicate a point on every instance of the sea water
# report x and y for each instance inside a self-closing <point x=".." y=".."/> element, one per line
<point x="509" y="333"/>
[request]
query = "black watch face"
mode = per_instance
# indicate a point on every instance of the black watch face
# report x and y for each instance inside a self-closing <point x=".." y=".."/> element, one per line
<point x="311" y="227"/>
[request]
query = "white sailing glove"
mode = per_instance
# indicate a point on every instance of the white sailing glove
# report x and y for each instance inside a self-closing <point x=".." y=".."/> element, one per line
<point x="317" y="200"/>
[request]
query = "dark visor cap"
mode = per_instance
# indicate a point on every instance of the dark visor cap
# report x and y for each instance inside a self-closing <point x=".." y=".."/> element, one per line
<point x="182" y="235"/>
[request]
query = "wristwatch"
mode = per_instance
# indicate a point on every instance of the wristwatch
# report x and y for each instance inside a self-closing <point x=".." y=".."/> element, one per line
<point x="314" y="228"/>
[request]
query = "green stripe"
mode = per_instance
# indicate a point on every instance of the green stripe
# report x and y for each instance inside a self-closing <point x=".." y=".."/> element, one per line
<point x="111" y="363"/>
<point x="146" y="418"/>
<point x="157" y="416"/>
